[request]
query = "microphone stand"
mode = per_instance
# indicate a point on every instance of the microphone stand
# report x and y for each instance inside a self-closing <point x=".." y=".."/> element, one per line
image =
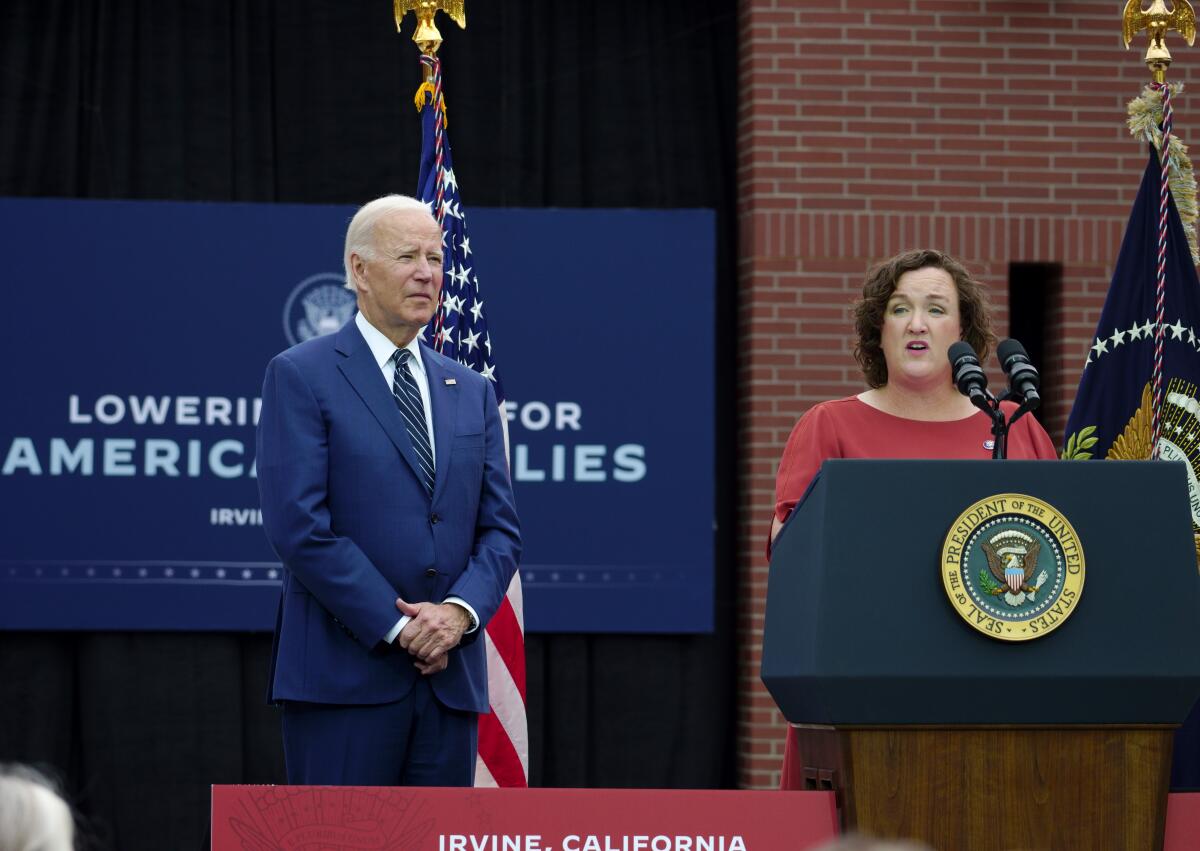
<point x="990" y="405"/>
<point x="970" y="380"/>
<point x="1027" y="404"/>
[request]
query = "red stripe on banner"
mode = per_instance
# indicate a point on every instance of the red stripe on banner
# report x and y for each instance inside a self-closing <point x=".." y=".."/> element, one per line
<point x="498" y="754"/>
<point x="510" y="642"/>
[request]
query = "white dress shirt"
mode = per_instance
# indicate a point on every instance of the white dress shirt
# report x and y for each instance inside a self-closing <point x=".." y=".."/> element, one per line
<point x="383" y="349"/>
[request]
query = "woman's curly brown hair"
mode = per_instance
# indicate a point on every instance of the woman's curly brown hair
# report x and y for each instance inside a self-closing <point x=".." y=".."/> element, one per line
<point x="973" y="309"/>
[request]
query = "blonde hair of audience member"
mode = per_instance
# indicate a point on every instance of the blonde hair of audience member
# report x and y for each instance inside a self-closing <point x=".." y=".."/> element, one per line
<point x="859" y="842"/>
<point x="32" y="815"/>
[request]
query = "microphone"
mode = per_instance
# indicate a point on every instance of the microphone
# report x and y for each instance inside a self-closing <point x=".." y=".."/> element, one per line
<point x="969" y="376"/>
<point x="1023" y="378"/>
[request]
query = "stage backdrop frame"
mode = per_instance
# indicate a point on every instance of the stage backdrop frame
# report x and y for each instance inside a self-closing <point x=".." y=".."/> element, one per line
<point x="141" y="332"/>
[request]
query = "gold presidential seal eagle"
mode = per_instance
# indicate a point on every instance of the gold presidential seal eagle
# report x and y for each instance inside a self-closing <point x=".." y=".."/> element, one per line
<point x="1013" y="567"/>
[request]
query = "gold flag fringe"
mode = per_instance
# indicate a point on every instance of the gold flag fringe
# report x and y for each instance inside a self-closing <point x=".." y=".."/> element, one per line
<point x="426" y="88"/>
<point x="1145" y="120"/>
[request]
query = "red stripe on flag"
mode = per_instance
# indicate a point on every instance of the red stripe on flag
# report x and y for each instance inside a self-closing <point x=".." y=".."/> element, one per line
<point x="510" y="642"/>
<point x="498" y="754"/>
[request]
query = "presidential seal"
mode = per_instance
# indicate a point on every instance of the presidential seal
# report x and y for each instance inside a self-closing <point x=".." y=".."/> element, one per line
<point x="1013" y="567"/>
<point x="318" y="305"/>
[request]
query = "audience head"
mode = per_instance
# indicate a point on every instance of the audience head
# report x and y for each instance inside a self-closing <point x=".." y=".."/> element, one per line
<point x="859" y="842"/>
<point x="33" y="817"/>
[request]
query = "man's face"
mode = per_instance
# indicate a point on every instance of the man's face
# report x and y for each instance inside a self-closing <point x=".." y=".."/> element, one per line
<point x="398" y="285"/>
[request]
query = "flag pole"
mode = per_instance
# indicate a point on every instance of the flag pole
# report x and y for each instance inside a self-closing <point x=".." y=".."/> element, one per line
<point x="459" y="331"/>
<point x="1157" y="22"/>
<point x="428" y="39"/>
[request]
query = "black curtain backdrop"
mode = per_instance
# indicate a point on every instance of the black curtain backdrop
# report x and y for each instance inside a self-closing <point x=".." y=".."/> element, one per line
<point x="618" y="104"/>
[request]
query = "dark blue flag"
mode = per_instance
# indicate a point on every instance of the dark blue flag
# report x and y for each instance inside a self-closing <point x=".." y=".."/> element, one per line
<point x="463" y="322"/>
<point x="1111" y="417"/>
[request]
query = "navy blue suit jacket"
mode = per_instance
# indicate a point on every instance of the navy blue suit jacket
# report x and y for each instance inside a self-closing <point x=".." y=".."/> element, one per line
<point x="344" y="510"/>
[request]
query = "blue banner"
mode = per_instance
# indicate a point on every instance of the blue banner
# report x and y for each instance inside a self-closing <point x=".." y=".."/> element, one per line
<point x="137" y="341"/>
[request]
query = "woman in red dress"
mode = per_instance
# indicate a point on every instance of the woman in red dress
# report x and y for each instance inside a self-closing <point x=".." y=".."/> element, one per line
<point x="913" y="307"/>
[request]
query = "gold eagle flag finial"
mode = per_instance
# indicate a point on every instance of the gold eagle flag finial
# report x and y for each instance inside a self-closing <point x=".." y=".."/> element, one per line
<point x="1157" y="21"/>
<point x="426" y="35"/>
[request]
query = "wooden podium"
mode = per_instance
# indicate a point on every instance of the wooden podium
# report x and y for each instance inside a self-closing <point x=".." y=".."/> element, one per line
<point x="928" y="729"/>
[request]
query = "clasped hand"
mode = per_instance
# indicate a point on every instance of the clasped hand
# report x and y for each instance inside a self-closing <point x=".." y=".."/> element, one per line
<point x="435" y="629"/>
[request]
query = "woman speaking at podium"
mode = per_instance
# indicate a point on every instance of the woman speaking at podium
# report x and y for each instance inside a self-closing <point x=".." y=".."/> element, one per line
<point x="913" y="307"/>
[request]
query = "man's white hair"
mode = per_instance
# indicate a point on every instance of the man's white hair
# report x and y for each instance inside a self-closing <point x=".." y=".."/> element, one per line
<point x="32" y="815"/>
<point x="360" y="235"/>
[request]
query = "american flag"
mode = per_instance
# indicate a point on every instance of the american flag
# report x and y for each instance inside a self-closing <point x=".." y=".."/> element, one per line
<point x="459" y="330"/>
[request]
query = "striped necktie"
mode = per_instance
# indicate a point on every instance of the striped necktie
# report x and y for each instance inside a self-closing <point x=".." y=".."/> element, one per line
<point x="408" y="400"/>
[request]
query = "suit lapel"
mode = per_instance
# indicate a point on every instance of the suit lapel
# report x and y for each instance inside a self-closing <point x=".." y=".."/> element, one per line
<point x="443" y="398"/>
<point x="364" y="375"/>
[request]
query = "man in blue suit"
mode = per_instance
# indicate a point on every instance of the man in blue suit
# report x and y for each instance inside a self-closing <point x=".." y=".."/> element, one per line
<point x="385" y="492"/>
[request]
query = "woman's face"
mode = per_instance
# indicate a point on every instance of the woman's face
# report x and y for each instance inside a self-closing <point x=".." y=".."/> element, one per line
<point x="919" y="324"/>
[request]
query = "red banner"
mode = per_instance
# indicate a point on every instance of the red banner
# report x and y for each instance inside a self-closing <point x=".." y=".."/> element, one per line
<point x="350" y="818"/>
<point x="1183" y="821"/>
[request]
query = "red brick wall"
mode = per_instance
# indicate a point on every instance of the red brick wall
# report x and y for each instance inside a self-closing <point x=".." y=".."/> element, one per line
<point x="992" y="130"/>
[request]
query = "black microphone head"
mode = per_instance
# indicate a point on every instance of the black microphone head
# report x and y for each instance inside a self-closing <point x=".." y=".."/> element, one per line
<point x="1008" y="349"/>
<point x="966" y="373"/>
<point x="959" y="350"/>
<point x="1023" y="379"/>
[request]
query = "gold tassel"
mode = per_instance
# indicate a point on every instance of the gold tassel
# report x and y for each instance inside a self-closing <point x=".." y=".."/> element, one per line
<point x="1145" y="118"/>
<point x="419" y="100"/>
